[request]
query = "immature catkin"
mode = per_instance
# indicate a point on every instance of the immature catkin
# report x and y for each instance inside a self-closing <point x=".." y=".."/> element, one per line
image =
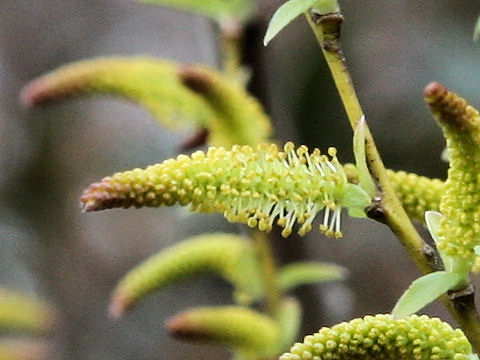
<point x="459" y="232"/>
<point x="151" y="83"/>
<point x="252" y="186"/>
<point x="176" y="95"/>
<point x="228" y="255"/>
<point x="240" y="117"/>
<point x="418" y="194"/>
<point x="21" y="313"/>
<point x="382" y="337"/>
<point x="238" y="327"/>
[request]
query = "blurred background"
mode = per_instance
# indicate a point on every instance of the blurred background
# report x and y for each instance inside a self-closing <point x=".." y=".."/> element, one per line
<point x="49" y="155"/>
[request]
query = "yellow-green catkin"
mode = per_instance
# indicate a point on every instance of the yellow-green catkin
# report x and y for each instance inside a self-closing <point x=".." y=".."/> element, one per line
<point x="244" y="329"/>
<point x="227" y="255"/>
<point x="151" y="83"/>
<point x="459" y="232"/>
<point x="240" y="117"/>
<point x="252" y="186"/>
<point x="176" y="95"/>
<point x="19" y="312"/>
<point x="418" y="194"/>
<point x="383" y="337"/>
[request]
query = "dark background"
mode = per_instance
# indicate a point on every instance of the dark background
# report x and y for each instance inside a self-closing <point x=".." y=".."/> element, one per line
<point x="49" y="155"/>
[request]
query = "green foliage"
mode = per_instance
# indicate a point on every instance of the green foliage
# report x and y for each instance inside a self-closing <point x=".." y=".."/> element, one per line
<point x="252" y="186"/>
<point x="424" y="290"/>
<point x="364" y="178"/>
<point x="227" y="255"/>
<point x="383" y="337"/>
<point x="289" y="319"/>
<point x="302" y="273"/>
<point x="293" y="8"/>
<point x="249" y="332"/>
<point x="218" y="10"/>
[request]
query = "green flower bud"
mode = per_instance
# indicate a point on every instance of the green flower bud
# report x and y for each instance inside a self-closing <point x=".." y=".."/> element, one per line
<point x="249" y="186"/>
<point x="459" y="231"/>
<point x="228" y="255"/>
<point x="383" y="337"/>
<point x="247" y="331"/>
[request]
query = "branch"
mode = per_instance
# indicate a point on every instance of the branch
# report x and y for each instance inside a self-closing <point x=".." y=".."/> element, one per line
<point x="388" y="208"/>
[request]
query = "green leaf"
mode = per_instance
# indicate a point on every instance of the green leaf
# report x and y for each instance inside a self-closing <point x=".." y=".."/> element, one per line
<point x="424" y="290"/>
<point x="218" y="10"/>
<point x="293" y="8"/>
<point x="301" y="273"/>
<point x="476" y="31"/>
<point x="365" y="179"/>
<point x="355" y="197"/>
<point x="433" y="220"/>
<point x="289" y="319"/>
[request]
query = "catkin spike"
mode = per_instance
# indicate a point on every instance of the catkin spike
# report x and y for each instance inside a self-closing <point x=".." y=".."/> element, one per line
<point x="459" y="231"/>
<point x="382" y="337"/>
<point x="228" y="255"/>
<point x="251" y="186"/>
<point x="176" y="95"/>
<point x="151" y="83"/>
<point x="240" y="117"/>
<point x="22" y="313"/>
<point x="245" y="330"/>
<point x="418" y="194"/>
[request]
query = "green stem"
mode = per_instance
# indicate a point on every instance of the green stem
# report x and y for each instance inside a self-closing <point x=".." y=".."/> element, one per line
<point x="389" y="210"/>
<point x="267" y="261"/>
<point x="231" y="33"/>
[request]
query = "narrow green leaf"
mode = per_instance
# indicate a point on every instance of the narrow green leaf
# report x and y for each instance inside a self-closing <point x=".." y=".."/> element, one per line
<point x="476" y="31"/>
<point x="424" y="290"/>
<point x="301" y="273"/>
<point x="365" y="179"/>
<point x="289" y="319"/>
<point x="214" y="9"/>
<point x="285" y="15"/>
<point x="433" y="220"/>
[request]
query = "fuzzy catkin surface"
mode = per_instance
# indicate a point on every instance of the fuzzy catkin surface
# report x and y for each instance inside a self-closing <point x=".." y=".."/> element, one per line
<point x="383" y="337"/>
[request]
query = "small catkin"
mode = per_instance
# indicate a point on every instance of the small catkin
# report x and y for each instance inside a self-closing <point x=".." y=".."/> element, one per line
<point x="228" y="255"/>
<point x="151" y="83"/>
<point x="418" y="194"/>
<point x="244" y="329"/>
<point x="459" y="232"/>
<point x="382" y="337"/>
<point x="22" y="313"/>
<point x="252" y="186"/>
